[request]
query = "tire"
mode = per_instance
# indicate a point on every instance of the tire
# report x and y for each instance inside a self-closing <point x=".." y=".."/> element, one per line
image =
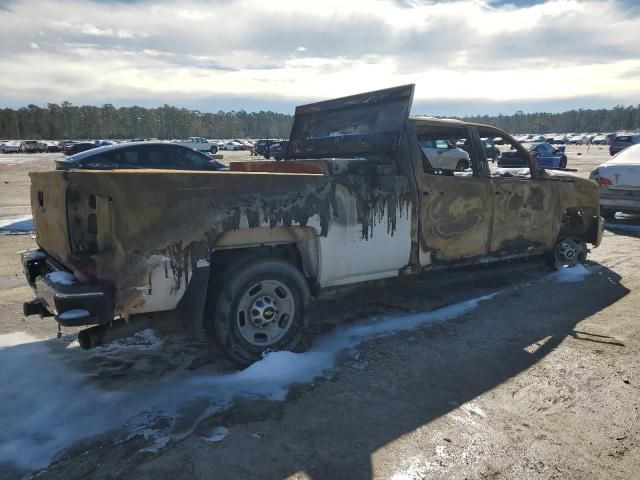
<point x="261" y="298"/>
<point x="563" y="162"/>
<point x="267" y="157"/>
<point x="277" y="159"/>
<point x="462" y="165"/>
<point x="567" y="252"/>
<point x="213" y="150"/>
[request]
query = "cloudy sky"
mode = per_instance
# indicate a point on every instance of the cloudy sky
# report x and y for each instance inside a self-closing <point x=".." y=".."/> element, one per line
<point x="465" y="57"/>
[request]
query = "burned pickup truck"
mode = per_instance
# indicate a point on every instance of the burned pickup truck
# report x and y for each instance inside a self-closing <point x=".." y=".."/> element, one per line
<point x="240" y="253"/>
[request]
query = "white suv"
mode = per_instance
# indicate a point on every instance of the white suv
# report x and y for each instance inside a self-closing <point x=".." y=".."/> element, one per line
<point x="444" y="154"/>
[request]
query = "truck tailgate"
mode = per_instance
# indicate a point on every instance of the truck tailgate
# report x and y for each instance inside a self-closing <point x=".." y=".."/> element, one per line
<point x="48" y="205"/>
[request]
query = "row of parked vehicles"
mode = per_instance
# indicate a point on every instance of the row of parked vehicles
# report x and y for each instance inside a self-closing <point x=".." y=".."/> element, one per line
<point x="28" y="146"/>
<point x="568" y="138"/>
<point x="71" y="147"/>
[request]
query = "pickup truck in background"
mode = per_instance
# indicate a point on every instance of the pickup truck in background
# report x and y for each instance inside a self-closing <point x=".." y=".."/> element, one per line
<point x="200" y="144"/>
<point x="239" y="254"/>
<point x="32" y="146"/>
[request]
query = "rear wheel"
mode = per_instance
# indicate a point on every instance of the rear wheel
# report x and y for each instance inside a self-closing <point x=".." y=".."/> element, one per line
<point x="567" y="253"/>
<point x="563" y="162"/>
<point x="260" y="308"/>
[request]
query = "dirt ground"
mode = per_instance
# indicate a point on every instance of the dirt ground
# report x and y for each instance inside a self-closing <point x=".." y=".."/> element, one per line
<point x="539" y="381"/>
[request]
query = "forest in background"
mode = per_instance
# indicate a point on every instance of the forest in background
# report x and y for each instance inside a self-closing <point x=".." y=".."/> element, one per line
<point x="91" y="122"/>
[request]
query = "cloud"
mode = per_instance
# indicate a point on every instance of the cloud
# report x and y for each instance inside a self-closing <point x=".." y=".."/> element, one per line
<point x="495" y="51"/>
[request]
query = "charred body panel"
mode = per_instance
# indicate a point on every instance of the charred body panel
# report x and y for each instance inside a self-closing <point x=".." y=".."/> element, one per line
<point x="161" y="225"/>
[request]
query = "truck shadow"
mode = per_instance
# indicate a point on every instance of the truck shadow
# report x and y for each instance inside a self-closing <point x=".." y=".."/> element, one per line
<point x="391" y="387"/>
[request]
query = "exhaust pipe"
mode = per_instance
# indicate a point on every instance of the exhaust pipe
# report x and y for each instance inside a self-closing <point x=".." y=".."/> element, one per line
<point x="100" y="334"/>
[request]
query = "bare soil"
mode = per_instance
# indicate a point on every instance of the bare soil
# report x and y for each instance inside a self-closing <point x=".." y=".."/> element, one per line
<point x="542" y="381"/>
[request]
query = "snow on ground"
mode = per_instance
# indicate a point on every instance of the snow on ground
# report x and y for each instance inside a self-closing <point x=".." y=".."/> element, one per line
<point x="48" y="403"/>
<point x="570" y="274"/>
<point x="16" y="225"/>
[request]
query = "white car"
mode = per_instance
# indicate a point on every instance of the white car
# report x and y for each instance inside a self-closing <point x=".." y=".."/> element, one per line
<point x="619" y="181"/>
<point x="10" y="147"/>
<point x="200" y="144"/>
<point x="578" y="139"/>
<point x="233" y="145"/>
<point x="444" y="154"/>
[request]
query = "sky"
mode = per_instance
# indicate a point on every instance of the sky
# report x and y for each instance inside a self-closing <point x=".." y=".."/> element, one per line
<point x="465" y="56"/>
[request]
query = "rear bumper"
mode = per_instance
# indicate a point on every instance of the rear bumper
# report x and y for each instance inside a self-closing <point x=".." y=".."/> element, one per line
<point x="60" y="294"/>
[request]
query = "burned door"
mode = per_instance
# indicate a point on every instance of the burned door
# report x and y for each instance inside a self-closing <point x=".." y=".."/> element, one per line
<point x="524" y="219"/>
<point x="455" y="206"/>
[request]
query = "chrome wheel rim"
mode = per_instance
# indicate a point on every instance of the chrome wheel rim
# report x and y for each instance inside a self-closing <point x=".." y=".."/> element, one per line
<point x="569" y="253"/>
<point x="265" y="313"/>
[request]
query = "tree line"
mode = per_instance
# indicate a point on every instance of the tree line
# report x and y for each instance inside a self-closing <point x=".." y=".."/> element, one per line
<point x="91" y="122"/>
<point x="602" y="120"/>
<point x="67" y="121"/>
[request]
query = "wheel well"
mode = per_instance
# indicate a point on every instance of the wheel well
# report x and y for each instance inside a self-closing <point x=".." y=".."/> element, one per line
<point x="580" y="223"/>
<point x="222" y="262"/>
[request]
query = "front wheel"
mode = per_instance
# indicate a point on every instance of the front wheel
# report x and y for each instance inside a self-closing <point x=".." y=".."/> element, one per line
<point x="260" y="308"/>
<point x="568" y="252"/>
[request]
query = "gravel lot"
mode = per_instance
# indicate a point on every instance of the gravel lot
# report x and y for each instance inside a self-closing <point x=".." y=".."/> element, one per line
<point x="539" y="381"/>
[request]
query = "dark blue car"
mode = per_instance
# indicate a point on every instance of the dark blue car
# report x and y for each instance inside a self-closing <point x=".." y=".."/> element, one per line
<point x="546" y="155"/>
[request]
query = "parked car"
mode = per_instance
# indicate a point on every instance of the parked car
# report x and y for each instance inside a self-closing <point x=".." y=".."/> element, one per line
<point x="77" y="147"/>
<point x="240" y="253"/>
<point x="622" y="141"/>
<point x="233" y="145"/>
<point x="32" y="146"/>
<point x="498" y="141"/>
<point x="63" y="143"/>
<point x="559" y="140"/>
<point x="262" y="147"/>
<point x="278" y="150"/>
<point x="578" y="140"/>
<point x="491" y="151"/>
<point x="128" y="155"/>
<point x="546" y="155"/>
<point x="200" y="144"/>
<point x="619" y="181"/>
<point x="444" y="154"/>
<point x="10" y="147"/>
<point x="52" y="147"/>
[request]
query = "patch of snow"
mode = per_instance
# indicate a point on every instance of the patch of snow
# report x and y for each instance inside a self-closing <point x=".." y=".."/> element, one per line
<point x="218" y="434"/>
<point x="63" y="278"/>
<point x="570" y="274"/>
<point x="16" y="225"/>
<point x="33" y="254"/>
<point x="74" y="314"/>
<point x="49" y="403"/>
